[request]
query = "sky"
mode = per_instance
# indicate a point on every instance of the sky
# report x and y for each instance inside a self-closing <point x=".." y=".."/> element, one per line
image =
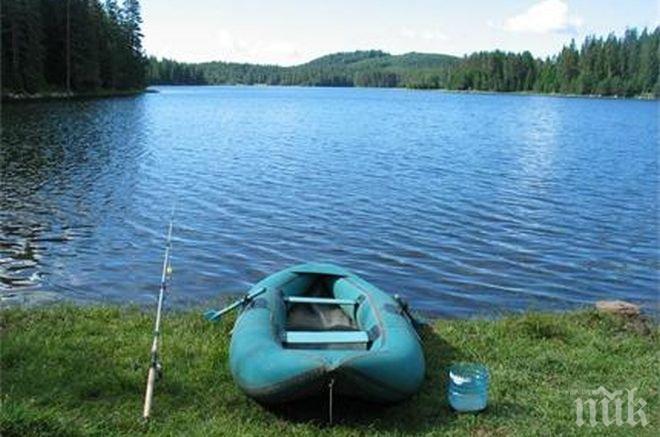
<point x="289" y="32"/>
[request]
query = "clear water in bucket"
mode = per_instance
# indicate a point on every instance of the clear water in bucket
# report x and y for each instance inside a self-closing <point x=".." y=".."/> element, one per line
<point x="467" y="390"/>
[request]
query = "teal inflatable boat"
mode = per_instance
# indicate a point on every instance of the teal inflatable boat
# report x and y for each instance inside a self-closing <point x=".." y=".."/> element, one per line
<point x="315" y="327"/>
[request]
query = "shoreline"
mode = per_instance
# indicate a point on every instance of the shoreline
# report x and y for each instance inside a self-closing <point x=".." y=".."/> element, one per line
<point x="44" y="300"/>
<point x="63" y="95"/>
<point x="539" y="94"/>
<point x="11" y="97"/>
<point x="641" y="97"/>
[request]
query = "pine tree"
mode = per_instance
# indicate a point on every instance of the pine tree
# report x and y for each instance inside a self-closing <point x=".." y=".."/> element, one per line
<point x="648" y="62"/>
<point x="109" y="45"/>
<point x="76" y="44"/>
<point x="22" y="48"/>
<point x="567" y="63"/>
<point x="134" y="63"/>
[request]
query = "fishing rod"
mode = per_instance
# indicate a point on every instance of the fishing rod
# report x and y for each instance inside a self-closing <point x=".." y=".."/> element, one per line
<point x="155" y="366"/>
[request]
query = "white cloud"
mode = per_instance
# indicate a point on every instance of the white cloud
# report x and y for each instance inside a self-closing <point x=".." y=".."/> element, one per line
<point x="425" y="34"/>
<point x="544" y="17"/>
<point x="434" y="35"/>
<point x="234" y="49"/>
<point x="406" y="32"/>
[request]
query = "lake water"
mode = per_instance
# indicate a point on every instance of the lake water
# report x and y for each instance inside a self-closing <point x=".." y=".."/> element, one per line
<point x="466" y="204"/>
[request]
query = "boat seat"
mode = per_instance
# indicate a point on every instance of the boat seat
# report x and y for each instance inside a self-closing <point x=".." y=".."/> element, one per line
<point x="319" y="300"/>
<point x="325" y="337"/>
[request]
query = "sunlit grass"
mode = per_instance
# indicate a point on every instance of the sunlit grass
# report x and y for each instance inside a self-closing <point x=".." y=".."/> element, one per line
<point x="81" y="370"/>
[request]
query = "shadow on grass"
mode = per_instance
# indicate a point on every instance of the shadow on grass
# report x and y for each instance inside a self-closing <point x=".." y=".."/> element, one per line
<point x="424" y="412"/>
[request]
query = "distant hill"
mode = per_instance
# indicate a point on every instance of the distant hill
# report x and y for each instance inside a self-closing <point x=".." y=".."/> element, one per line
<point x="345" y="58"/>
<point x="613" y="66"/>
<point x="409" y="60"/>
<point x="359" y="68"/>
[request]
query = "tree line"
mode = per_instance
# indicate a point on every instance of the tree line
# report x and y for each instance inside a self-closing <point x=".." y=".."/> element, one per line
<point x="370" y="68"/>
<point x="623" y="66"/>
<point x="71" y="46"/>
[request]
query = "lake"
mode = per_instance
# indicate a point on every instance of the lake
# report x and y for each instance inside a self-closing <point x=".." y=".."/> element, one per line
<point x="466" y="204"/>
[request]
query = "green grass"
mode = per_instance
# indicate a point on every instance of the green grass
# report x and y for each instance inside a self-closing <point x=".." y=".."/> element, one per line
<point x="81" y="370"/>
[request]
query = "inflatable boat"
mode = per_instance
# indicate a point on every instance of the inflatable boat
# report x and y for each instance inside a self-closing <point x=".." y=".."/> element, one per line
<point x="318" y="327"/>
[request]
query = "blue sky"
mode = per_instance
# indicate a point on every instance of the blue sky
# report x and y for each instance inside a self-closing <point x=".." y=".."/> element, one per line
<point x="289" y="32"/>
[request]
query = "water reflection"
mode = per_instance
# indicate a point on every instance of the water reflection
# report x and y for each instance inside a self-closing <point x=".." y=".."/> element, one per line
<point x="536" y="138"/>
<point x="65" y="167"/>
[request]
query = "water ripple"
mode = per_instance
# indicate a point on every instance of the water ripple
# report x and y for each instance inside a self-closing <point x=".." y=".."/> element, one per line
<point x="465" y="204"/>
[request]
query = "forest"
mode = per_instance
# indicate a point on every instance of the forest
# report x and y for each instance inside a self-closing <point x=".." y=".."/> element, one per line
<point x="71" y="46"/>
<point x="624" y="65"/>
<point x="362" y="68"/>
<point x="87" y="46"/>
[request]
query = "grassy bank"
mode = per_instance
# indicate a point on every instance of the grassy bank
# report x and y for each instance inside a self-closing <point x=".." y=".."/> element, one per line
<point x="73" y="371"/>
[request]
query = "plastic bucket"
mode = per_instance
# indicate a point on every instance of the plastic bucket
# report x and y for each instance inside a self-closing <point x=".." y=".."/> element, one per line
<point x="468" y="387"/>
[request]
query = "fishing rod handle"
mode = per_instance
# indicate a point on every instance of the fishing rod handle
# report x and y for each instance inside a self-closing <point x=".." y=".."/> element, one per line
<point x="148" y="397"/>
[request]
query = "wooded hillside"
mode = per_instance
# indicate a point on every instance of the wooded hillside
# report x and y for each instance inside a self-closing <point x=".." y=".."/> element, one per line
<point x="623" y="66"/>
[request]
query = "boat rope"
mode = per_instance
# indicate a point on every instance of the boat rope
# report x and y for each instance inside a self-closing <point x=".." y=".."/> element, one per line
<point x="331" y="384"/>
<point x="155" y="367"/>
<point x="405" y="310"/>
